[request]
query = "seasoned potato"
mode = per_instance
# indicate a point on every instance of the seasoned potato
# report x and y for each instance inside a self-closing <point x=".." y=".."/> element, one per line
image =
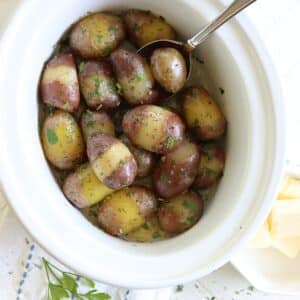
<point x="59" y="83"/>
<point x="177" y="170"/>
<point x="96" y="122"/>
<point x="180" y="213"/>
<point x="97" y="85"/>
<point x="97" y="35"/>
<point x="111" y="161"/>
<point x="145" y="159"/>
<point x="144" y="27"/>
<point x="62" y="140"/>
<point x="202" y="113"/>
<point x="134" y="75"/>
<point x="126" y="210"/>
<point x="168" y="68"/>
<point x="148" y="232"/>
<point x="211" y="166"/>
<point x="153" y="128"/>
<point x="83" y="188"/>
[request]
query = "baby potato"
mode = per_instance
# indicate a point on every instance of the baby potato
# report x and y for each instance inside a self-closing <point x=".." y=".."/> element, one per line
<point x="96" y="122"/>
<point x="211" y="166"/>
<point x="111" y="161"/>
<point x="134" y="75"/>
<point x="144" y="27"/>
<point x="145" y="159"/>
<point x="202" y="114"/>
<point x="180" y="213"/>
<point x="83" y="188"/>
<point x="148" y="232"/>
<point x="126" y="210"/>
<point x="62" y="141"/>
<point x="168" y="68"/>
<point x="97" y="35"/>
<point x="59" y="83"/>
<point x="177" y="170"/>
<point x="153" y="128"/>
<point x="97" y="85"/>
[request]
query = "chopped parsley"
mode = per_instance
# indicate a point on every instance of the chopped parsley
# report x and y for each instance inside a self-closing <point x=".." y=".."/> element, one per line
<point x="90" y="124"/>
<point x="170" y="142"/>
<point x="146" y="226"/>
<point x="156" y="235"/>
<point x="93" y="213"/>
<point x="51" y="136"/>
<point x="81" y="66"/>
<point x="66" y="106"/>
<point x="222" y="91"/>
<point x="119" y="89"/>
<point x="190" y="205"/>
<point x="195" y="123"/>
<point x="179" y="288"/>
<point x="112" y="28"/>
<point x="99" y="38"/>
<point x="164" y="178"/>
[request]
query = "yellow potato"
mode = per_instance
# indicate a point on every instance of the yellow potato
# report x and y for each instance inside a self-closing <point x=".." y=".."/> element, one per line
<point x="126" y="210"/>
<point x="148" y="232"/>
<point x="202" y="114"/>
<point x="83" y="188"/>
<point x="62" y="141"/>
<point x="144" y="27"/>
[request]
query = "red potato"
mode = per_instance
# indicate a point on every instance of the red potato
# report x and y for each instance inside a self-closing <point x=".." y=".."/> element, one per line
<point x="97" y="35"/>
<point x="96" y="122"/>
<point x="153" y="128"/>
<point x="177" y="170"/>
<point x="59" y="83"/>
<point x="181" y="212"/>
<point x="126" y="210"/>
<point x="211" y="166"/>
<point x="145" y="159"/>
<point x="134" y="75"/>
<point x="98" y="85"/>
<point x="111" y="161"/>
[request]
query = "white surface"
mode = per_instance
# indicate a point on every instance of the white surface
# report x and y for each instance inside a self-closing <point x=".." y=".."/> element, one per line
<point x="254" y="156"/>
<point x="273" y="17"/>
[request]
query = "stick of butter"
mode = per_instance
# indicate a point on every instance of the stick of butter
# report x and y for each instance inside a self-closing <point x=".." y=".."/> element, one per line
<point x="290" y="188"/>
<point x="262" y="239"/>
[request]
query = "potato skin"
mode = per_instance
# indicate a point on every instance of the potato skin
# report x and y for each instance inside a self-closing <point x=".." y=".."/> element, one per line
<point x="180" y="213"/>
<point x="83" y="188"/>
<point x="126" y="210"/>
<point x="59" y="83"/>
<point x="98" y="85"/>
<point x="97" y="35"/>
<point x="153" y="128"/>
<point x="145" y="159"/>
<point x="147" y="233"/>
<point x="134" y="75"/>
<point x="177" y="170"/>
<point x="62" y="140"/>
<point x="144" y="27"/>
<point x="211" y="166"/>
<point x="111" y="161"/>
<point x="96" y="122"/>
<point x="169" y="69"/>
<point x="202" y="114"/>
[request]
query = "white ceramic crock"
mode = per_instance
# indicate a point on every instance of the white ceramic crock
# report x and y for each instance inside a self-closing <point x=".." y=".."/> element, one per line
<point x="235" y="60"/>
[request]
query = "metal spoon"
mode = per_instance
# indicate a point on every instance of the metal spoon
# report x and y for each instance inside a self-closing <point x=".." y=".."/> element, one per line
<point x="186" y="48"/>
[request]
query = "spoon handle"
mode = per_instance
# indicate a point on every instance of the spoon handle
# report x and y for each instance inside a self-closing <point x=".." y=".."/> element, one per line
<point x="235" y="7"/>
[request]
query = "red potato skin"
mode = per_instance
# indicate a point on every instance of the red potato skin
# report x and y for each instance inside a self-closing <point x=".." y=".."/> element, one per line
<point x="172" y="222"/>
<point x="58" y="94"/>
<point x="125" y="63"/>
<point x="171" y="178"/>
<point x="103" y="71"/>
<point x="125" y="174"/>
<point x="108" y="219"/>
<point x="173" y="127"/>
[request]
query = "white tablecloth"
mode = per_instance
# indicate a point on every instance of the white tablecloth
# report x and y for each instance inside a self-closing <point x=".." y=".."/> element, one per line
<point x="21" y="273"/>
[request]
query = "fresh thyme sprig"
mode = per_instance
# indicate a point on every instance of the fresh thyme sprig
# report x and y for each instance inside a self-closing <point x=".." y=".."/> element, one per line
<point x="64" y="285"/>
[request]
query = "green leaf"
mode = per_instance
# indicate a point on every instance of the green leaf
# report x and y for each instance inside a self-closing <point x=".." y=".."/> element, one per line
<point x="81" y="66"/>
<point x="170" y="142"/>
<point x="119" y="89"/>
<point x="87" y="282"/>
<point x="51" y="136"/>
<point x="93" y="295"/>
<point x="190" y="205"/>
<point x="164" y="178"/>
<point x="56" y="292"/>
<point x="69" y="283"/>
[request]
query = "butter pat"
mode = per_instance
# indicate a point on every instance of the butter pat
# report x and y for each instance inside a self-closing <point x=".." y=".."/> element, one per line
<point x="285" y="219"/>
<point x="288" y="246"/>
<point x="290" y="188"/>
<point x="262" y="238"/>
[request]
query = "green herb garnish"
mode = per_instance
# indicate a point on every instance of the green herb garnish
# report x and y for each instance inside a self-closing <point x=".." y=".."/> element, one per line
<point x="156" y="235"/>
<point x="64" y="285"/>
<point x="190" y="205"/>
<point x="90" y="124"/>
<point x="51" y="136"/>
<point x="164" y="178"/>
<point x="119" y="89"/>
<point x="81" y="66"/>
<point x="112" y="28"/>
<point x="66" y="106"/>
<point x="99" y="38"/>
<point x="170" y="142"/>
<point x="145" y="226"/>
<point x="179" y="288"/>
